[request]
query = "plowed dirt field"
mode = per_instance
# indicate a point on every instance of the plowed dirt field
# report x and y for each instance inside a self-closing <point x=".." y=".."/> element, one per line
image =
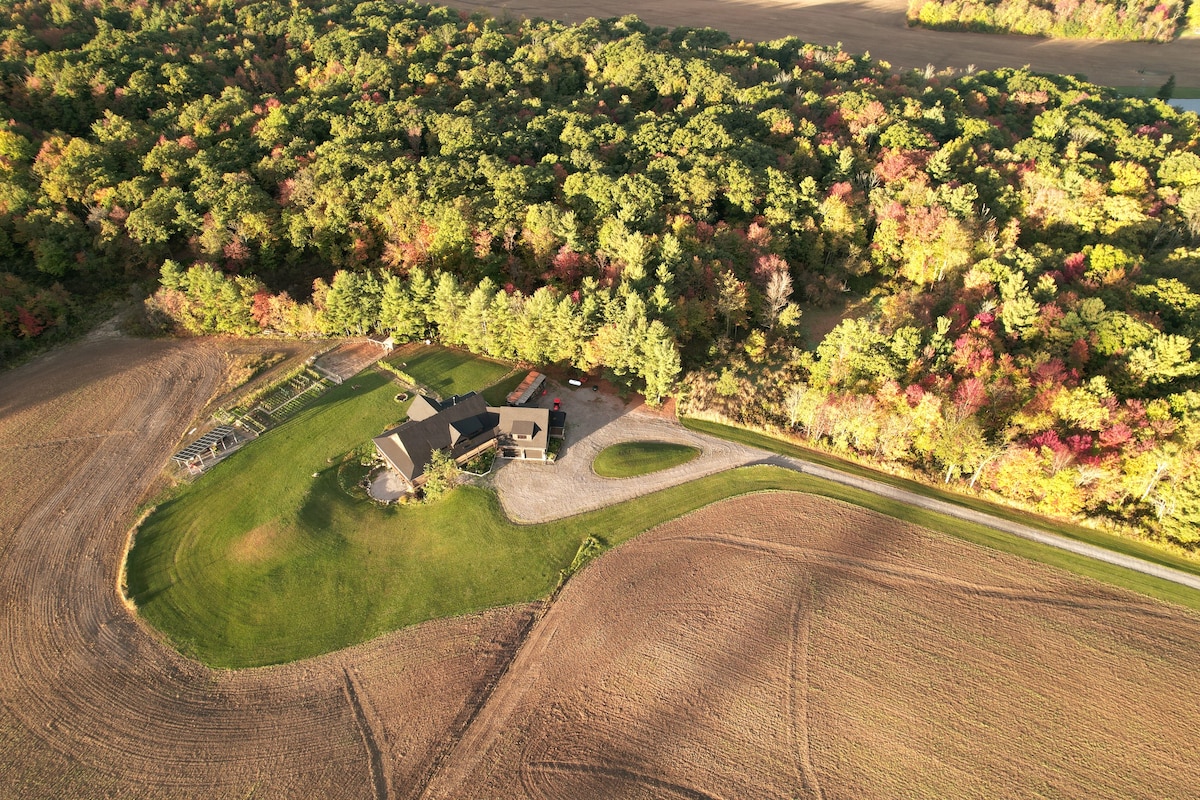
<point x="787" y="646"/>
<point x="92" y="704"/>
<point x="879" y="27"/>
<point x="770" y="646"/>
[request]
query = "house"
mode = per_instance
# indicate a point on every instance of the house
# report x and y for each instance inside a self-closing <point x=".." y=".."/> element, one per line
<point x="464" y="426"/>
<point x="522" y="433"/>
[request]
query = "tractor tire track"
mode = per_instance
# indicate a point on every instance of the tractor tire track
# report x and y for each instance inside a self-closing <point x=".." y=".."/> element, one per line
<point x="379" y="778"/>
<point x="797" y="695"/>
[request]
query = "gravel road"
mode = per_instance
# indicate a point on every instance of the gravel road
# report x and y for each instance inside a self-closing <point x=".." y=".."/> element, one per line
<point x="970" y="515"/>
<point x="534" y="492"/>
<point x="531" y="491"/>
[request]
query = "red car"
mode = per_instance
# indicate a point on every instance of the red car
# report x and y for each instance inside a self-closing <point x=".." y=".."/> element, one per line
<point x="557" y="404"/>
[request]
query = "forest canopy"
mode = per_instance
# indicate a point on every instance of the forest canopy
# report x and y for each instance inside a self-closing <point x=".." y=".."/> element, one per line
<point x="643" y="200"/>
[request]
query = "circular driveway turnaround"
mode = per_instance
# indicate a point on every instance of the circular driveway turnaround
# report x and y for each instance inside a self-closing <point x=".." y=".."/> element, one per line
<point x="878" y="27"/>
<point x="536" y="492"/>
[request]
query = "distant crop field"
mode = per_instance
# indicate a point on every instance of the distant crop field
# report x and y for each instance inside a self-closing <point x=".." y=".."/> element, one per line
<point x="1138" y="21"/>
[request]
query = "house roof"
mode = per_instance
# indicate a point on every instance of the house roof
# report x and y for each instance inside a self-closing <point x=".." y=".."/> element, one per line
<point x="459" y="420"/>
<point x="533" y="422"/>
<point x="409" y="446"/>
<point x="423" y="407"/>
<point x="465" y="428"/>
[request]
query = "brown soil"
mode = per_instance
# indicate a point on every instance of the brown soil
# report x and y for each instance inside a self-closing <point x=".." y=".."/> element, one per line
<point x="769" y="646"/>
<point x="878" y="27"/>
<point x="92" y="704"/>
<point x="350" y="358"/>
<point x="745" y="651"/>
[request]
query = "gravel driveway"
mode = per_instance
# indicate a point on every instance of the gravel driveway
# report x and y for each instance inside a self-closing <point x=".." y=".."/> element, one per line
<point x="531" y="491"/>
<point x="536" y="492"/>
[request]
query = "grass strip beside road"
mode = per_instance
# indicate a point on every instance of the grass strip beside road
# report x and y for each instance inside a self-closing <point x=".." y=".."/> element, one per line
<point x="630" y="459"/>
<point x="1147" y="551"/>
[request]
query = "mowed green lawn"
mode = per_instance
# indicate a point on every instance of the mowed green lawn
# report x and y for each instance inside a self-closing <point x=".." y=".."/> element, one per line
<point x="497" y="393"/>
<point x="261" y="563"/>
<point x="449" y="372"/>
<point x="629" y="459"/>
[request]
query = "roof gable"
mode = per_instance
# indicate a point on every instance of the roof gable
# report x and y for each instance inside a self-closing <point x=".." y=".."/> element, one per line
<point x="418" y="438"/>
<point x="423" y="407"/>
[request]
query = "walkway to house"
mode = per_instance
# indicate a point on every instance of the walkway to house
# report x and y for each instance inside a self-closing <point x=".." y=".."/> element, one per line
<point x="536" y="492"/>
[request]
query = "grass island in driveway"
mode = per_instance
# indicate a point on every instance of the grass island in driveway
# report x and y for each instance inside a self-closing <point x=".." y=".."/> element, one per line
<point x="630" y="459"/>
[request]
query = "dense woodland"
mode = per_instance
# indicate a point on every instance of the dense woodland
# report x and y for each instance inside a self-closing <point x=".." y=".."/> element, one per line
<point x="1136" y="21"/>
<point x="1023" y="250"/>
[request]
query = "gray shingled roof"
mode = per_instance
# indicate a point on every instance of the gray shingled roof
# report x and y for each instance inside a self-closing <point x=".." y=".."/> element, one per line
<point x="409" y="446"/>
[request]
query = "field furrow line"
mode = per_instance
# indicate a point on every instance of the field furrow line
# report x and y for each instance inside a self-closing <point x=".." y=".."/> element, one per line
<point x="465" y="736"/>
<point x="379" y="778"/>
<point x="798" y="647"/>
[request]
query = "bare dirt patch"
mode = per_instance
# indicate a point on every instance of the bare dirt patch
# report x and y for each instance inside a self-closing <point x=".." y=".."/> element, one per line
<point x="878" y="27"/>
<point x="257" y="545"/>
<point x="92" y="704"/>
<point x="784" y="645"/>
<point x="350" y="358"/>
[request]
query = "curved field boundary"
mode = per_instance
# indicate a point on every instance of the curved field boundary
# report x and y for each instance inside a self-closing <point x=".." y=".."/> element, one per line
<point x="94" y="704"/>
